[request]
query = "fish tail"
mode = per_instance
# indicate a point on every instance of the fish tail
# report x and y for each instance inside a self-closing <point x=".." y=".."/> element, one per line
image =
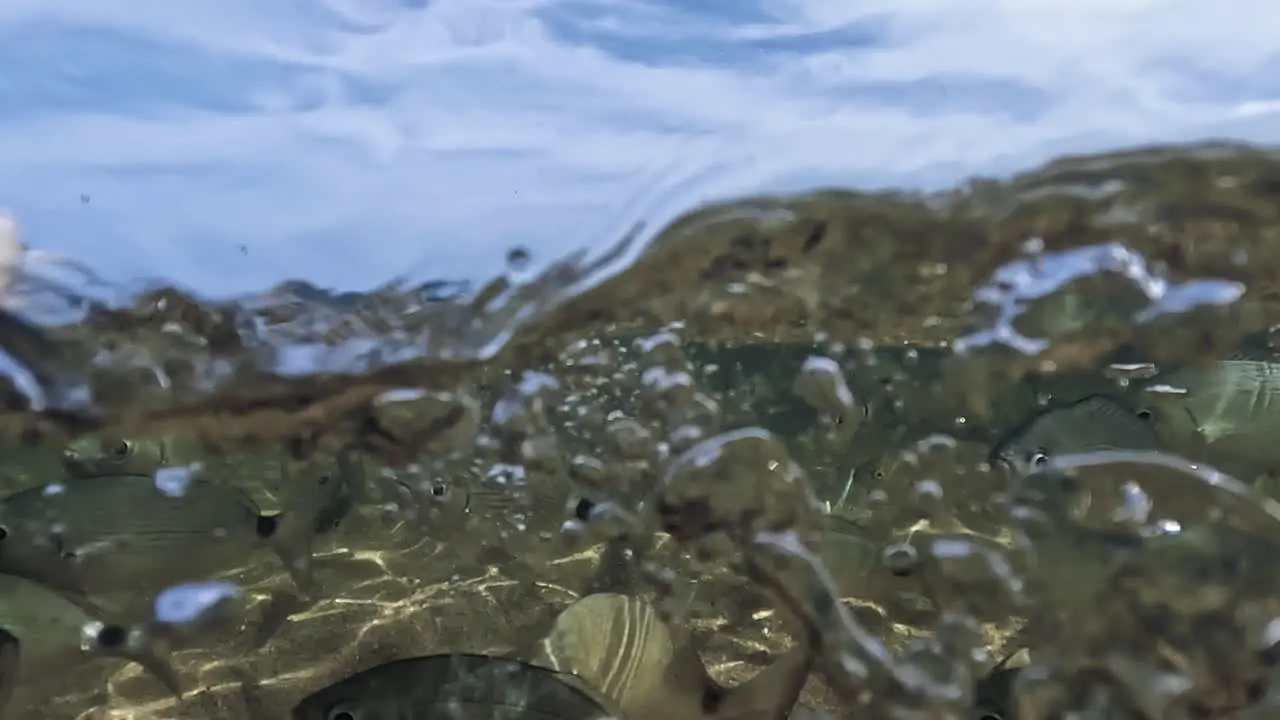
<point x="292" y="542"/>
<point x="317" y="504"/>
<point x="143" y="646"/>
<point x="280" y="606"/>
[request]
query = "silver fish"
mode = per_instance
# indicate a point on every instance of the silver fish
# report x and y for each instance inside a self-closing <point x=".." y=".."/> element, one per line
<point x="458" y="687"/>
<point x="55" y="631"/>
<point x="1092" y="424"/>
<point x="481" y="522"/>
<point x="127" y="534"/>
<point x="621" y="646"/>
<point x="1226" y="412"/>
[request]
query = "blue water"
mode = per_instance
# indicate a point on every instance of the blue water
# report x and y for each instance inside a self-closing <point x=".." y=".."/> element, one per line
<point x="232" y="146"/>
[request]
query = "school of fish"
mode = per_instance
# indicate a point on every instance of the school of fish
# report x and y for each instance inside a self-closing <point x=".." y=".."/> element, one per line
<point x="117" y="555"/>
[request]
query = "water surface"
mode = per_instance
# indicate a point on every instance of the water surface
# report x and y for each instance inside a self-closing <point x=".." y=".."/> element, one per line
<point x="514" y="245"/>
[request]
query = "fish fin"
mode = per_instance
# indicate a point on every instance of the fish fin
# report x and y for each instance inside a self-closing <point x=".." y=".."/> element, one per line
<point x="10" y="663"/>
<point x="771" y="694"/>
<point x="293" y="545"/>
<point x="316" y="504"/>
<point x="279" y="607"/>
<point x="142" y="645"/>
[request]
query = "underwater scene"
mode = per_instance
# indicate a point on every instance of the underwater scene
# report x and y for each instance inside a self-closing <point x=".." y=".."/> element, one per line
<point x="1005" y="450"/>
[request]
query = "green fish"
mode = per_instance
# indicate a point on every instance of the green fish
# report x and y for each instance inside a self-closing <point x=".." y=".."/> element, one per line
<point x="1222" y="411"/>
<point x="135" y="534"/>
<point x="458" y="687"/>
<point x="1092" y="424"/>
<point x="850" y="557"/>
<point x="620" y="646"/>
<point x="54" y="631"/>
<point x="453" y="506"/>
<point x="480" y="520"/>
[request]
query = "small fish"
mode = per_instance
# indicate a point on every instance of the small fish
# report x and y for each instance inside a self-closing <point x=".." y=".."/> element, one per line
<point x="1228" y="412"/>
<point x="620" y="646"/>
<point x="54" y="631"/>
<point x="852" y="559"/>
<point x="1092" y="424"/>
<point x="114" y="455"/>
<point x="939" y="477"/>
<point x="128" y="534"/>
<point x="316" y="503"/>
<point x="465" y="687"/>
<point x="455" y="510"/>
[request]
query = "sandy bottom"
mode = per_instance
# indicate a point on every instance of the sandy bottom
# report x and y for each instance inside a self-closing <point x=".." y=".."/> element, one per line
<point x="382" y="602"/>
<point x="378" y="604"/>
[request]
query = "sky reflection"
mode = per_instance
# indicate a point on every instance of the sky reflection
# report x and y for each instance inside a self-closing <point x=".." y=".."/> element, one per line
<point x="230" y="145"/>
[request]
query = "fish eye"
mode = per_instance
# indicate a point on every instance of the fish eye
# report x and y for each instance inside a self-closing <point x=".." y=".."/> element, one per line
<point x="1038" y="458"/>
<point x="110" y="637"/>
<point x="121" y="448"/>
<point x="900" y="559"/>
<point x="4" y="532"/>
<point x="1144" y="414"/>
<point x="439" y="490"/>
